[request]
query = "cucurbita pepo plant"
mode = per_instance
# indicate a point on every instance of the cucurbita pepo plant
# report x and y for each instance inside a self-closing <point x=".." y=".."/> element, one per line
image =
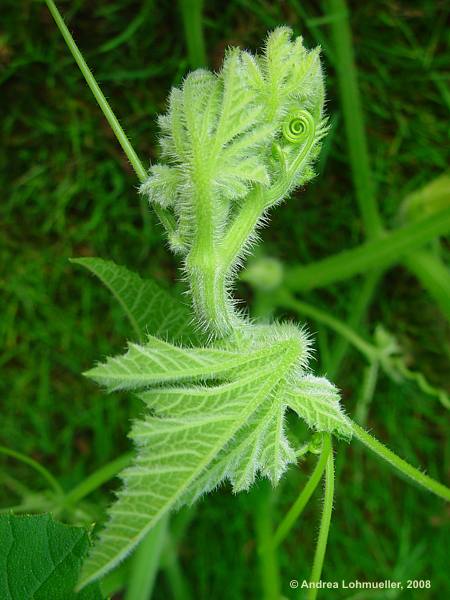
<point x="235" y="144"/>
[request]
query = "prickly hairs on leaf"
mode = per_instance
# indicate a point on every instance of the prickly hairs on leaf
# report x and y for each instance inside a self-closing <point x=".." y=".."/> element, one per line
<point x="213" y="414"/>
<point x="235" y="144"/>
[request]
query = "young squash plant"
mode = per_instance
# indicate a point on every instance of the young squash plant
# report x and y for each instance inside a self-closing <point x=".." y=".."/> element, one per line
<point x="216" y="389"/>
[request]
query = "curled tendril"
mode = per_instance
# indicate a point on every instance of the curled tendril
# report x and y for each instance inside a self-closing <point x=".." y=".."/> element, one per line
<point x="298" y="126"/>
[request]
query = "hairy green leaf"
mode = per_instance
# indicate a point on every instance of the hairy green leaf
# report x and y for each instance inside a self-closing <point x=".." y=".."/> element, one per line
<point x="219" y="130"/>
<point x="214" y="414"/>
<point x="40" y="559"/>
<point x="316" y="400"/>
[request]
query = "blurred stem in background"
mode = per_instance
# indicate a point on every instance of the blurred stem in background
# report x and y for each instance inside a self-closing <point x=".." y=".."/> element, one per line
<point x="37" y="467"/>
<point x="434" y="276"/>
<point x="427" y="268"/>
<point x="146" y="562"/>
<point x="192" y="16"/>
<point x="353" y="118"/>
<point x="373" y="254"/>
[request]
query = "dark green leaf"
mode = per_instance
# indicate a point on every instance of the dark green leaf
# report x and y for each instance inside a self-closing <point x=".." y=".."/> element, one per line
<point x="40" y="559"/>
<point x="149" y="308"/>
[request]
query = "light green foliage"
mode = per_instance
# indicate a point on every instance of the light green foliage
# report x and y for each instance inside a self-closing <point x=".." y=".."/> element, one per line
<point x="235" y="143"/>
<point x="221" y="417"/>
<point x="40" y="559"/>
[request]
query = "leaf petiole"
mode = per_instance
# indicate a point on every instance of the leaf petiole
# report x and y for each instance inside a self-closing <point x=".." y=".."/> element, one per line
<point x="324" y="522"/>
<point x="164" y="216"/>
<point x="305" y="495"/>
<point x="36" y="466"/>
<point x="401" y="465"/>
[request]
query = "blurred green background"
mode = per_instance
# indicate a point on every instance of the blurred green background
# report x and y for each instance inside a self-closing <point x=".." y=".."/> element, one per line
<point x="68" y="191"/>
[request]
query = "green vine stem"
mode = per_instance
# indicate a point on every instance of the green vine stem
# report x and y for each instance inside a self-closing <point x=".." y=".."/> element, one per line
<point x="286" y="300"/>
<point x="324" y="524"/>
<point x="270" y="579"/>
<point x="36" y="466"/>
<point x="395" y="246"/>
<point x="297" y="508"/>
<point x="192" y="12"/>
<point x="163" y="215"/>
<point x="401" y="465"/>
<point x="95" y="480"/>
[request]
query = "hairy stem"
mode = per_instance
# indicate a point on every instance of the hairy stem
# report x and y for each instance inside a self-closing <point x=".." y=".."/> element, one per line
<point x="297" y="508"/>
<point x="210" y="271"/>
<point x="324" y="525"/>
<point x="366" y="393"/>
<point x="206" y="279"/>
<point x="242" y="227"/>
<point x="401" y="465"/>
